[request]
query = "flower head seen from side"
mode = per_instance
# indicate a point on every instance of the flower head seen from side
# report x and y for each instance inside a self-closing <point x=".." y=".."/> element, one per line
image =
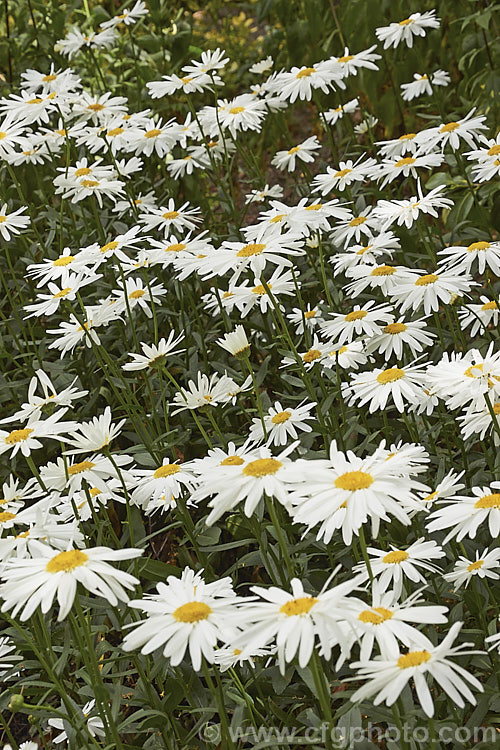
<point x="390" y="673"/>
<point x="95" y="435"/>
<point x="35" y="582"/>
<point x="187" y="614"/>
<point x="236" y="343"/>
<point x="406" y="30"/>
<point x="464" y="515"/>
<point x="12" y="223"/>
<point x="154" y="355"/>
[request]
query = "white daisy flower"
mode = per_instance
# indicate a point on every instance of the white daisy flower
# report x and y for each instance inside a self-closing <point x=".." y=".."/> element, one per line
<point x="94" y="724"/>
<point x="465" y="515"/>
<point x="347" y="490"/>
<point x="479" y="316"/>
<point x="12" y="223"/>
<point x="462" y="258"/>
<point x="391" y="568"/>
<point x="186" y="614"/>
<point x="161" y="485"/>
<point x="304" y="151"/>
<point x="402" y="385"/>
<point x="424" y="84"/>
<point x="485" y="565"/>
<point x="34" y="582"/>
<point x="294" y="620"/>
<point x="154" y="355"/>
<point x="404" y="31"/>
<point x="394" y="337"/>
<point x="282" y="423"/>
<point x="366" y="320"/>
<point x="388" y="675"/>
<point x="95" y="435"/>
<point x="333" y="115"/>
<point x="430" y="289"/>
<point x="246" y="481"/>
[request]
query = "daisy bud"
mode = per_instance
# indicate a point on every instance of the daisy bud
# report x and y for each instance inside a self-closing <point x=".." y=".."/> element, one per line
<point x="236" y="343"/>
<point x="16" y="703"/>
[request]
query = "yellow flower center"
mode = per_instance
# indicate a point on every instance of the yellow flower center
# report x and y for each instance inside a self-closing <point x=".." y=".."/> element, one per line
<point x="262" y="467"/>
<point x="152" y="133"/>
<point x="406" y="22"/>
<point x="413" y="659"/>
<point x="97" y="107"/>
<point x="478" y="246"/>
<point x="345" y="58"/>
<point x="430" y="497"/>
<point x="115" y="131"/>
<point x="310" y="314"/>
<point x="109" y="246"/>
<point x="62" y="293"/>
<point x="395" y="328"/>
<point x="259" y="289"/>
<point x="6" y="516"/>
<point x="475" y="565"/>
<point x="169" y="215"/>
<point x="490" y="306"/>
<point x="65" y="562"/>
<point x="300" y="606"/>
<point x="407" y="137"/>
<point x="489" y="501"/>
<point x="449" y="128"/>
<point x="255" y="248"/>
<point x="396" y="556"/>
<point x="35" y="101"/>
<point x="354" y="480"/>
<point x="89" y="183"/>
<point x="333" y="353"/>
<point x="80" y="467"/>
<point x="314" y="207"/>
<point x="236" y="110"/>
<point x="17" y="436"/>
<point x="311" y="355"/>
<point x="176" y="247"/>
<point x="94" y="492"/>
<point x="280" y="417"/>
<point x="342" y="172"/>
<point x="2" y="135"/>
<point x="390" y="375"/>
<point x="186" y="79"/>
<point x="469" y="372"/>
<point x="166" y="471"/>
<point x="494" y="150"/>
<point x="429" y="278"/>
<point x="49" y="78"/>
<point x="357" y="221"/>
<point x="277" y="218"/>
<point x="405" y="162"/>
<point x="305" y="73"/>
<point x="232" y="461"/>
<point x="294" y="150"/>
<point x="82" y="171"/>
<point x="192" y="612"/>
<point x="356" y="315"/>
<point x="375" y="616"/>
<point x="383" y="271"/>
<point x="137" y="294"/>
